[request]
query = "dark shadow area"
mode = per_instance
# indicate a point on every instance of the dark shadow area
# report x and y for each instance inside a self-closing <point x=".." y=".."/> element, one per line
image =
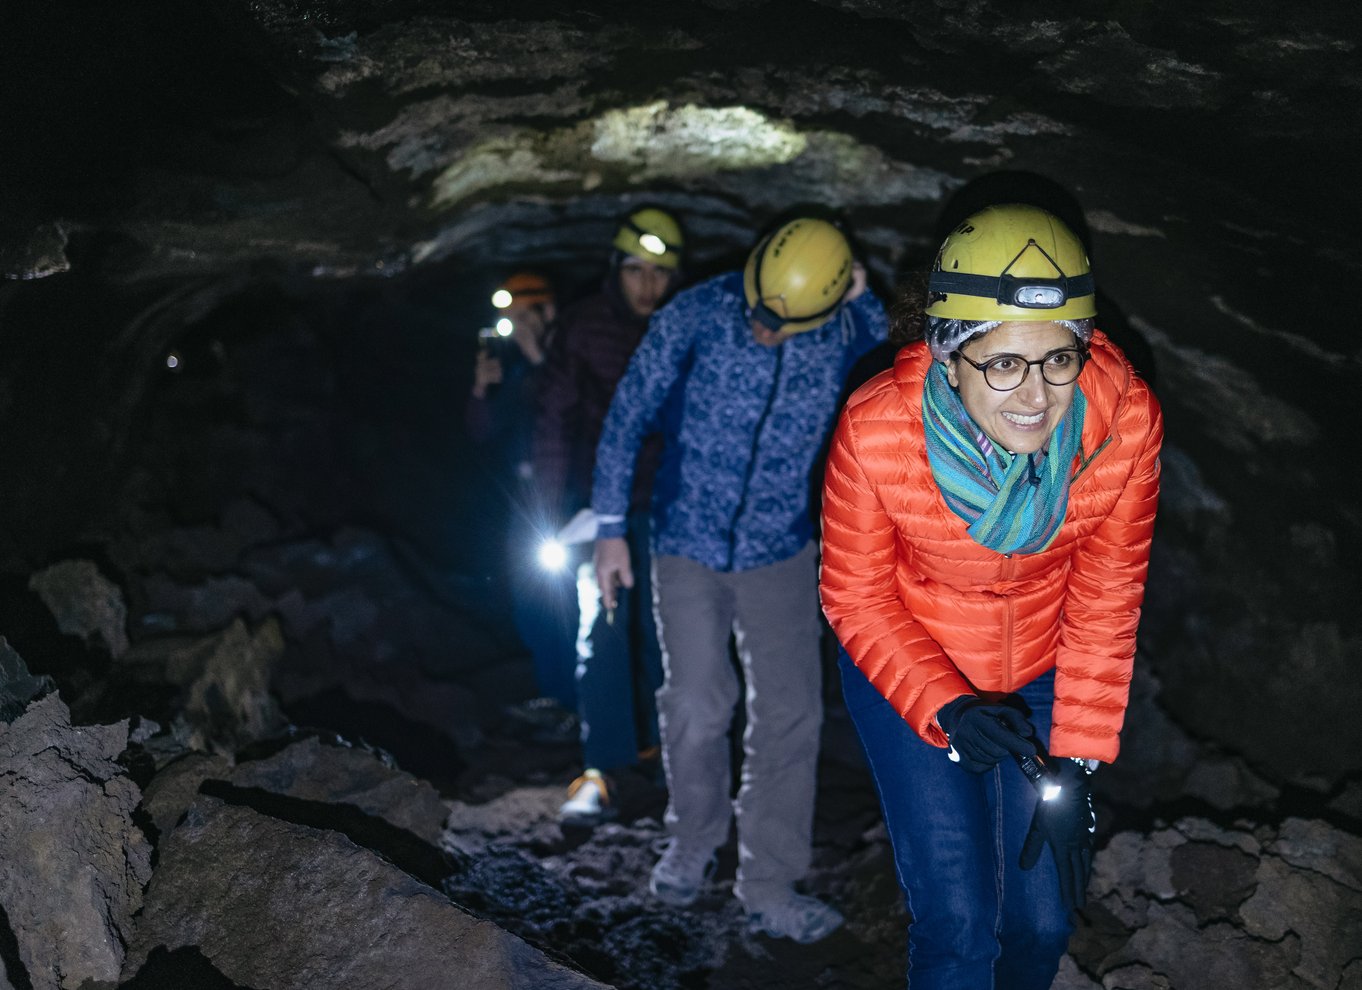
<point x="185" y="968"/>
<point x="15" y="971"/>
<point x="417" y="748"/>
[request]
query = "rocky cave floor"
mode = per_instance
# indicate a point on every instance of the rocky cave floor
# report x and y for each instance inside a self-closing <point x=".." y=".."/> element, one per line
<point x="265" y="799"/>
<point x="1169" y="899"/>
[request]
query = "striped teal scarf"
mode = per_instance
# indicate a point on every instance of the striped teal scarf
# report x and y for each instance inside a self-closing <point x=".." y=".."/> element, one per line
<point x="1013" y="504"/>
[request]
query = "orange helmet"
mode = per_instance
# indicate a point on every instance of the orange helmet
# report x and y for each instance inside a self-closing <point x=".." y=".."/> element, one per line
<point x="523" y="289"/>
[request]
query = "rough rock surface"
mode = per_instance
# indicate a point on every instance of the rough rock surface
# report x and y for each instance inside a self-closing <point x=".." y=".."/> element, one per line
<point x="85" y="603"/>
<point x="1160" y="762"/>
<point x="72" y="861"/>
<point x="1197" y="904"/>
<point x="345" y="602"/>
<point x="18" y="686"/>
<point x="276" y="906"/>
<point x="340" y="774"/>
<point x="169" y="794"/>
<point x="221" y="683"/>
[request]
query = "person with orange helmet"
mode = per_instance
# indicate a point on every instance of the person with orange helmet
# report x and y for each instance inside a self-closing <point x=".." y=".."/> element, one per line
<point x="508" y="374"/>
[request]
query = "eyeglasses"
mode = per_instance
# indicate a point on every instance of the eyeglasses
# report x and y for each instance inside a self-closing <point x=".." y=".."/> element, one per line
<point x="1007" y="371"/>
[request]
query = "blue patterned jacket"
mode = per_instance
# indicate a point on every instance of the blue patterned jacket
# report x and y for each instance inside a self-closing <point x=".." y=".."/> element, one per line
<point x="742" y="424"/>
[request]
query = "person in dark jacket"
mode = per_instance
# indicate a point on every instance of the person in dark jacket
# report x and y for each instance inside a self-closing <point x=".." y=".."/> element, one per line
<point x="499" y="417"/>
<point x="619" y="665"/>
<point x="749" y="366"/>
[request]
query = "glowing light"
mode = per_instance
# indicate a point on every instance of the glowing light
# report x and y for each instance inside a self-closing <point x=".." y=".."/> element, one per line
<point x="1051" y="792"/>
<point x="553" y="555"/>
<point x="652" y="244"/>
<point x="501" y="299"/>
<point x="505" y="326"/>
<point x="172" y="361"/>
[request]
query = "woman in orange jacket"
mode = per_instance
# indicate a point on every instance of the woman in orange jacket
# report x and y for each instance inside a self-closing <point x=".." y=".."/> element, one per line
<point x="987" y="514"/>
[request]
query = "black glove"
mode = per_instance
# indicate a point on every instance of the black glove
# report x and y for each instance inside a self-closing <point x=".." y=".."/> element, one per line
<point x="981" y="735"/>
<point x="1066" y="823"/>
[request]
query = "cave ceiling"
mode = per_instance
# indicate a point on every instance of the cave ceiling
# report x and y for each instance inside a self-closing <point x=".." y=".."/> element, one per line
<point x="342" y="138"/>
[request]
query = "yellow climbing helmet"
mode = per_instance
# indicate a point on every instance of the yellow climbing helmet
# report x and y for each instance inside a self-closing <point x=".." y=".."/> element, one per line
<point x="796" y="277"/>
<point x="653" y="235"/>
<point x="1011" y="262"/>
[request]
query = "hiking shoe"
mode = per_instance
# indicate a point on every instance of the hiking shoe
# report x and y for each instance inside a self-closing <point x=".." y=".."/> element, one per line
<point x="588" y="800"/>
<point x="679" y="874"/>
<point x="794" y="916"/>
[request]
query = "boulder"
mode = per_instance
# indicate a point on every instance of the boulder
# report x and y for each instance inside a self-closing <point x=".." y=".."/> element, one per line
<point x="221" y="682"/>
<point x="18" y="686"/>
<point x="72" y="861"/>
<point x="1197" y="904"/>
<point x="85" y="603"/>
<point x="276" y="905"/>
<point x="342" y="774"/>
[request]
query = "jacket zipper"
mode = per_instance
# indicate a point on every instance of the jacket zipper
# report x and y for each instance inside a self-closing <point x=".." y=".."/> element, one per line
<point x="1008" y="569"/>
<point x="752" y="460"/>
<point x="1007" y="648"/>
<point x="1088" y="461"/>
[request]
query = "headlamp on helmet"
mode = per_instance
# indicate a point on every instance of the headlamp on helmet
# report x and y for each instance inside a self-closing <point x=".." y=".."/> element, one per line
<point x="653" y="235"/>
<point x="1011" y="262"/>
<point x="1024" y="292"/>
<point x="523" y="289"/>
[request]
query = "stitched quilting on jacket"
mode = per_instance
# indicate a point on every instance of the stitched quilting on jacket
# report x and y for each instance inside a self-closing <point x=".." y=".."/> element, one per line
<point x="928" y="614"/>
<point x="742" y="432"/>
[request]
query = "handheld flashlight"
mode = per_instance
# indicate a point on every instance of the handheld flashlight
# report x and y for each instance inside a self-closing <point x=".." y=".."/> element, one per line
<point x="553" y="556"/>
<point x="1035" y="770"/>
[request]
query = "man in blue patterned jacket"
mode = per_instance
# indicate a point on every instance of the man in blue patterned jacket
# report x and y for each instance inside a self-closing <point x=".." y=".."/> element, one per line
<point x="753" y="363"/>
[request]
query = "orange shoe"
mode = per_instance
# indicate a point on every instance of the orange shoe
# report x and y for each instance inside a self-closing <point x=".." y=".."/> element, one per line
<point x="589" y="800"/>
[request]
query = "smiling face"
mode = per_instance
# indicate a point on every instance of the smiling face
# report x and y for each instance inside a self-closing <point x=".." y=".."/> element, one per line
<point x="1023" y="419"/>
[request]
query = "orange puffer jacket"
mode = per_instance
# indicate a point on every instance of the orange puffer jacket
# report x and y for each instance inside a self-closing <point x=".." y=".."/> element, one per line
<point x="928" y="614"/>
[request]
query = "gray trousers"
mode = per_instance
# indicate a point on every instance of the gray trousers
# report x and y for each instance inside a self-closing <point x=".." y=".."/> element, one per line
<point x="773" y="611"/>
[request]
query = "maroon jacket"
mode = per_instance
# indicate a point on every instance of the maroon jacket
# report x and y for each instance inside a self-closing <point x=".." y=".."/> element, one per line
<point x="595" y="339"/>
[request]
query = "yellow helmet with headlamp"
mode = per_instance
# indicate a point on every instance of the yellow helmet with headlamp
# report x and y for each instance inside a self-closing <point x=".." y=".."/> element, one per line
<point x="653" y="235"/>
<point x="796" y="277"/>
<point x="1011" y="262"/>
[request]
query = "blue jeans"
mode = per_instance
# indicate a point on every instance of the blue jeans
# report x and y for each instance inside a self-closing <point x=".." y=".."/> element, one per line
<point x="619" y="662"/>
<point x="544" y="609"/>
<point x="978" y="920"/>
